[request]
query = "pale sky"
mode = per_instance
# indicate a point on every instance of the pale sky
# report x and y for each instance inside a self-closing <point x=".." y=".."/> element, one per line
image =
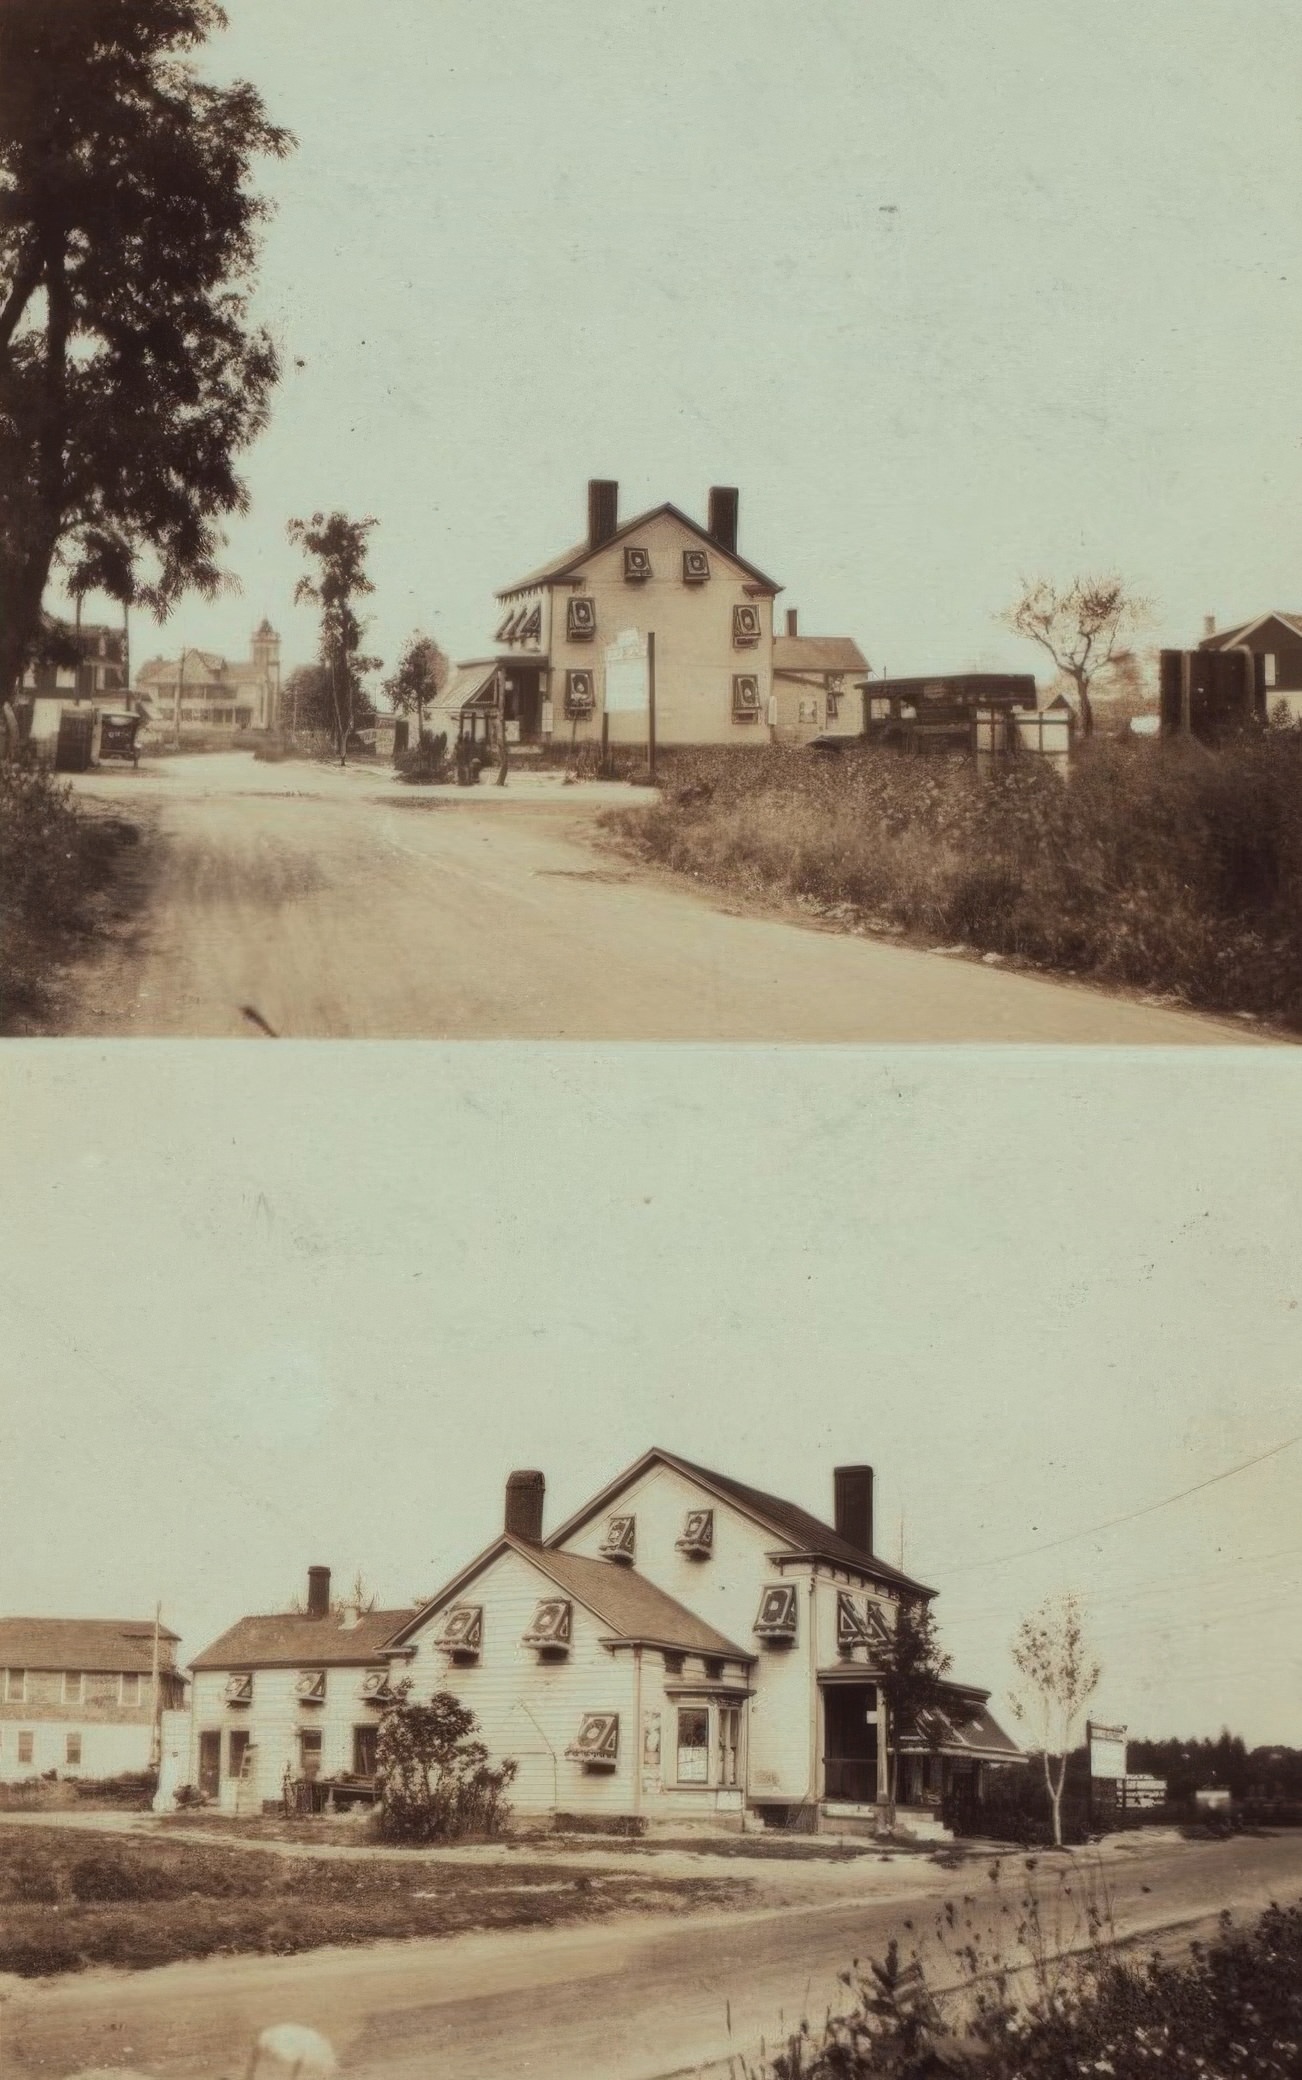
<point x="271" y="1306"/>
<point x="952" y="293"/>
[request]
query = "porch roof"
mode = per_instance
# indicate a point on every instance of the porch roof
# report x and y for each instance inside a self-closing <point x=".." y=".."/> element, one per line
<point x="968" y="1730"/>
<point x="470" y="686"/>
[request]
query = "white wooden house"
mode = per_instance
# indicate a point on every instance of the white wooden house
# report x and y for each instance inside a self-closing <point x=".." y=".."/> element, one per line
<point x="687" y="1648"/>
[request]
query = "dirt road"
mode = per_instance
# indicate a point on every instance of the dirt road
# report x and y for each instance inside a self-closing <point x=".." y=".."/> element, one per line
<point x="627" y="2000"/>
<point x="317" y="903"/>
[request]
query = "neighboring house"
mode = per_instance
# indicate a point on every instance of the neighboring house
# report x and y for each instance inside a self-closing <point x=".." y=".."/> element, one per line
<point x="1275" y="640"/>
<point x="817" y="686"/>
<point x="78" y="689"/>
<point x="685" y="1648"/>
<point x="297" y="1691"/>
<point x="660" y="574"/>
<point x="200" y="694"/>
<point x="78" y="1696"/>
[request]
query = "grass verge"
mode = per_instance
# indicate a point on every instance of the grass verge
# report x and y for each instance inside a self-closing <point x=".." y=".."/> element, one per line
<point x="67" y="1901"/>
<point x="53" y="858"/>
<point x="1165" y="868"/>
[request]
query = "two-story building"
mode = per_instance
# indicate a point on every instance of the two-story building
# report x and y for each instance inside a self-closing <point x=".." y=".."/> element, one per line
<point x="686" y="1647"/>
<point x="82" y="670"/>
<point x="82" y="1697"/>
<point x="296" y="1693"/>
<point x="200" y="694"/>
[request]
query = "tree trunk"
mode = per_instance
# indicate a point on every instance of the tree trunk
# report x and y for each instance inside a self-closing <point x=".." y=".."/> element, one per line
<point x="1086" y="706"/>
<point x="1055" y="1796"/>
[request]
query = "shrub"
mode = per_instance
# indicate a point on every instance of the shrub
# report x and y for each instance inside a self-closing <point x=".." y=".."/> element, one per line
<point x="433" y="1777"/>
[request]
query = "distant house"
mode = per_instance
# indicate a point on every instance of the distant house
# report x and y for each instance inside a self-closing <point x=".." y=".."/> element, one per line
<point x="78" y="1696"/>
<point x="559" y="672"/>
<point x="297" y="1692"/>
<point x="1275" y="639"/>
<point x="817" y="686"/>
<point x="85" y="670"/>
<point x="201" y="694"/>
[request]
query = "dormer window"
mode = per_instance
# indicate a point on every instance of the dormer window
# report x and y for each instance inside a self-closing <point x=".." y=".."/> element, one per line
<point x="580" y="618"/>
<point x="596" y="1744"/>
<point x="311" y="1686"/>
<point x="637" y="564"/>
<point x="239" y="1689"/>
<point x="620" y="1540"/>
<point x="463" y="1631"/>
<point x="376" y="1687"/>
<point x="776" y="1619"/>
<point x="696" y="566"/>
<point x="697" y="1540"/>
<point x="745" y="627"/>
<point x="550" y="1628"/>
<point x="859" y="1623"/>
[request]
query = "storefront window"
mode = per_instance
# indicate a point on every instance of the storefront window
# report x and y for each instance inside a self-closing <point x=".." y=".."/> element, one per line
<point x="693" y="1744"/>
<point x="729" y="1743"/>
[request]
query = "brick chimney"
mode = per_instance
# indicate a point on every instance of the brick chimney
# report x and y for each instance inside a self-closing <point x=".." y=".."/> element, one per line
<point x="722" y="523"/>
<point x="793" y="622"/>
<point x="318" y="1592"/>
<point x="524" y="1506"/>
<point x="603" y="510"/>
<point x="852" y="1490"/>
<point x="1209" y="624"/>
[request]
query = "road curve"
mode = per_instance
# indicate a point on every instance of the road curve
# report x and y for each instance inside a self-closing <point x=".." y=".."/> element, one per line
<point x="304" y="902"/>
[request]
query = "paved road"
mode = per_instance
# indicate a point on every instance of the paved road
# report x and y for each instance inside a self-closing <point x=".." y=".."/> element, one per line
<point x="340" y="904"/>
<point x="633" y="2000"/>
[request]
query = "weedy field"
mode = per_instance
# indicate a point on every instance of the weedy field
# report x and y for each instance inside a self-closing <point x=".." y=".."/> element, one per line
<point x="68" y="1900"/>
<point x="1170" y="869"/>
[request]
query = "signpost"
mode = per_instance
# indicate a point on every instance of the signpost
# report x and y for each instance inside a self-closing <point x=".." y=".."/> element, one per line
<point x="1107" y="1756"/>
<point x="631" y="683"/>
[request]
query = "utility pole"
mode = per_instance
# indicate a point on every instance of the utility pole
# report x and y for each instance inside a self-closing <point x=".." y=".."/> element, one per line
<point x="156" y="1732"/>
<point x="651" y="705"/>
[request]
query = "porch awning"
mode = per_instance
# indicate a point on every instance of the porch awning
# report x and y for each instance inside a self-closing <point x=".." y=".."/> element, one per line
<point x="471" y="686"/>
<point x="971" y="1731"/>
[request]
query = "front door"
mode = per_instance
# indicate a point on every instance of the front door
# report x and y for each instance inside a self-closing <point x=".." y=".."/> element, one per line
<point x="850" y="1743"/>
<point x="210" y="1764"/>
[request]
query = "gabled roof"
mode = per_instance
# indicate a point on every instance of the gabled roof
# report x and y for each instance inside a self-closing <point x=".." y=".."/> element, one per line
<point x="572" y="560"/>
<point x="817" y="654"/>
<point x="631" y="1608"/>
<point x="803" y="1533"/>
<point x="966" y="1727"/>
<point x="292" y="1639"/>
<point x="110" y="1646"/>
<point x="1227" y="638"/>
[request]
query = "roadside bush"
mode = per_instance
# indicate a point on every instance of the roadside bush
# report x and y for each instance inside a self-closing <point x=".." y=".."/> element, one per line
<point x="426" y="761"/>
<point x="1165" y="867"/>
<point x="434" y="1782"/>
<point x="42" y="844"/>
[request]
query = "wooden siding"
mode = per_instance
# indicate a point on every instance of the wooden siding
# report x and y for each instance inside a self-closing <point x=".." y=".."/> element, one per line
<point x="725" y="1590"/>
<point x="530" y="1709"/>
<point x="273" y="1722"/>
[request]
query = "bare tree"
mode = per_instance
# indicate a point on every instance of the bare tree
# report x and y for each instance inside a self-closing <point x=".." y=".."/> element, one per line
<point x="1085" y="627"/>
<point x="1060" y="1674"/>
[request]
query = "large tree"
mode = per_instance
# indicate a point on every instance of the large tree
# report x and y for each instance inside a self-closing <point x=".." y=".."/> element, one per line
<point x="1059" y="1674"/>
<point x="131" y="375"/>
<point x="422" y="672"/>
<point x="337" y="545"/>
<point x="1085" y="626"/>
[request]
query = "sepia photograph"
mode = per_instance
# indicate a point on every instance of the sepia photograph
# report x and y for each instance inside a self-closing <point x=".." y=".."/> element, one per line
<point x="732" y="523"/>
<point x="696" y="1477"/>
<point x="537" y="1576"/>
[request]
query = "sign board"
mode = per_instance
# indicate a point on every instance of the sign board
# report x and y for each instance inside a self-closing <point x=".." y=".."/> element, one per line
<point x="628" y="677"/>
<point x="1107" y="1746"/>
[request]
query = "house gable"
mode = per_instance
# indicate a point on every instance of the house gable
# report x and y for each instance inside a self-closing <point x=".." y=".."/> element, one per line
<point x="585" y="561"/>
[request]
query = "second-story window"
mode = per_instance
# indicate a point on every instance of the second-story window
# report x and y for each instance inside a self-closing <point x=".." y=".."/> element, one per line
<point x="129" y="1689"/>
<point x="74" y="1683"/>
<point x="15" y="1686"/>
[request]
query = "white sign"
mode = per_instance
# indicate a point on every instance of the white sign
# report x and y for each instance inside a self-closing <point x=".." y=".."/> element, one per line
<point x="1107" y="1751"/>
<point x="628" y="676"/>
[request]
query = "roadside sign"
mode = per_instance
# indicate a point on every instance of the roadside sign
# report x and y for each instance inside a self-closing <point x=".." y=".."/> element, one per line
<point x="628" y="674"/>
<point x="1107" y="1745"/>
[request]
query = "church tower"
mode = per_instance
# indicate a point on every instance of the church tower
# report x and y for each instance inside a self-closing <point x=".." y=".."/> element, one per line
<point x="266" y="663"/>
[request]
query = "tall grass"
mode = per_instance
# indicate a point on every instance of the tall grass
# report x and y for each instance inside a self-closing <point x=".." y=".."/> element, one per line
<point x="1164" y="867"/>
